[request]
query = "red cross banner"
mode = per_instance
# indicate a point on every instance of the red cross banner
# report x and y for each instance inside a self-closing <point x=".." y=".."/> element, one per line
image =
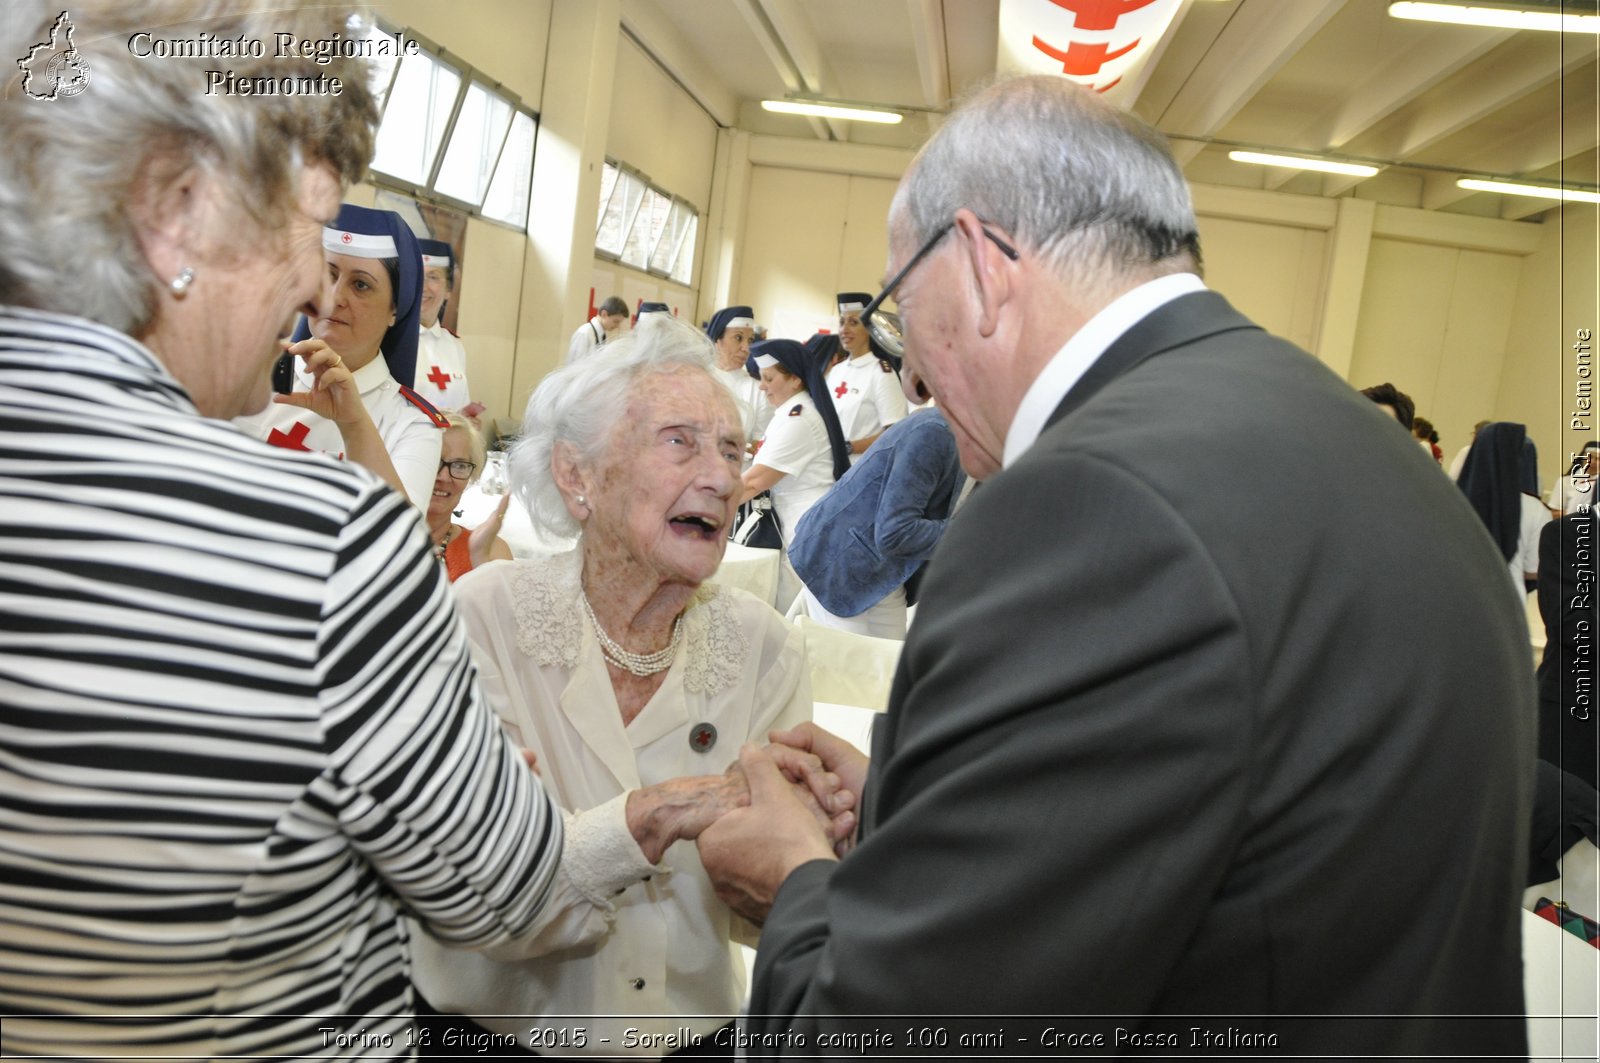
<point x="1101" y="44"/>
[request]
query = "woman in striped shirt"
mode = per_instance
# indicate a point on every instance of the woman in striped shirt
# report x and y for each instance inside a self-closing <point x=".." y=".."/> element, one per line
<point x="239" y="730"/>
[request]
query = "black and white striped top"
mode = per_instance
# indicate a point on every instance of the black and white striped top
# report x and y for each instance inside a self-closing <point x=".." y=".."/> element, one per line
<point x="239" y="730"/>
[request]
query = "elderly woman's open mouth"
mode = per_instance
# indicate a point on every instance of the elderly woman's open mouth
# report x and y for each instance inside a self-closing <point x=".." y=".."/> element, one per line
<point x="696" y="526"/>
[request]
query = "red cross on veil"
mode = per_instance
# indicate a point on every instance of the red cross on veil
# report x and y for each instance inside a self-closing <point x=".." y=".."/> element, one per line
<point x="294" y="439"/>
<point x="439" y="377"/>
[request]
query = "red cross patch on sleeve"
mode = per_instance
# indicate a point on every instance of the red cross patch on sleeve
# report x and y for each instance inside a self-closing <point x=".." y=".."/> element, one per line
<point x="425" y="406"/>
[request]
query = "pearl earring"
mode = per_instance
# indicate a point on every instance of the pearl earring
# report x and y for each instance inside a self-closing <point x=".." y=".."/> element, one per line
<point x="582" y="501"/>
<point x="180" y="283"/>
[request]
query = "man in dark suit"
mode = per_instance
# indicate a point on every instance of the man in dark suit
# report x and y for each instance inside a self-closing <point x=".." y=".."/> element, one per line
<point x="1166" y="738"/>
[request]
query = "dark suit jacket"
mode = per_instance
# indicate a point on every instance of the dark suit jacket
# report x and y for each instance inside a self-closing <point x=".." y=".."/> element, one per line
<point x="1167" y="737"/>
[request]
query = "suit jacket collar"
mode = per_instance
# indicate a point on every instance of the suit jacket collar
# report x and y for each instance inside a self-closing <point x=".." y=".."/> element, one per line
<point x="1182" y="321"/>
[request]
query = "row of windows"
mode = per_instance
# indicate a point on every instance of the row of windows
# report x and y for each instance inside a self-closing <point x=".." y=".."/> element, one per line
<point x="449" y="133"/>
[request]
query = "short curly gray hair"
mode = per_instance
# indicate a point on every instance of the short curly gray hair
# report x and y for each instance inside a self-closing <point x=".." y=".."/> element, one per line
<point x="583" y="403"/>
<point x="69" y="168"/>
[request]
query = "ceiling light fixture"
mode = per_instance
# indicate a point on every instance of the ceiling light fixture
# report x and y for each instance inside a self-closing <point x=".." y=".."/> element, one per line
<point x="832" y="110"/>
<point x="1509" y="18"/>
<point x="1511" y="188"/>
<point x="1261" y="158"/>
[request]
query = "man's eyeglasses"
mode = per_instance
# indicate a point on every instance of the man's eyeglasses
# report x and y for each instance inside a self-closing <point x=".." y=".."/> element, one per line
<point x="884" y="326"/>
<point x="459" y="470"/>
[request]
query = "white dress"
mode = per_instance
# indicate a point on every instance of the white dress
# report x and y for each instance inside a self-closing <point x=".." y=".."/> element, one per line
<point x="1570" y="492"/>
<point x="1534" y="516"/>
<point x="442" y="369"/>
<point x="867" y="394"/>
<point x="410" y="434"/>
<point x="796" y="444"/>
<point x="657" y="953"/>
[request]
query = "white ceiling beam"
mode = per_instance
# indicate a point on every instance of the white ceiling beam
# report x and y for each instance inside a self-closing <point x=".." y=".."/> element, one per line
<point x="1142" y="78"/>
<point x="1258" y="40"/>
<point x="1525" y="152"/>
<point x="933" y="64"/>
<point x="1392" y="86"/>
<point x="755" y="16"/>
<point x="793" y="27"/>
<point x="1512" y="77"/>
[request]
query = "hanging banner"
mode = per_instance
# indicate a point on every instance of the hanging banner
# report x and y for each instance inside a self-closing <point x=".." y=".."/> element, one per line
<point x="1101" y="44"/>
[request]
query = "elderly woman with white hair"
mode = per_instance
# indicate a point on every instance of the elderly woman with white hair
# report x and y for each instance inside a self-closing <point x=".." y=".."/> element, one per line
<point x="236" y="698"/>
<point x="635" y="681"/>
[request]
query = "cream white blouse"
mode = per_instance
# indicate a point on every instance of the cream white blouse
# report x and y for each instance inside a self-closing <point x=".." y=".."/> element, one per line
<point x="624" y="939"/>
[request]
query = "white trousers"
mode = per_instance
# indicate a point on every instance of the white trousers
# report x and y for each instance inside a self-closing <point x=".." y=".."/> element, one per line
<point x="886" y="620"/>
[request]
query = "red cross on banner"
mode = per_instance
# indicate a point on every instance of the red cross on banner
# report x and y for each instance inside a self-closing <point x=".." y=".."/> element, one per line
<point x="839" y="391"/>
<point x="1083" y="59"/>
<point x="440" y="378"/>
<point x="294" y="439"/>
<point x="1099" y="14"/>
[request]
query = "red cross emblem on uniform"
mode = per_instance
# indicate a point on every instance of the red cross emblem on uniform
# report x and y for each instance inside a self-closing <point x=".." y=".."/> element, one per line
<point x="346" y="238"/>
<point x="839" y="391"/>
<point x="439" y="377"/>
<point x="293" y="439"/>
<point x="702" y="737"/>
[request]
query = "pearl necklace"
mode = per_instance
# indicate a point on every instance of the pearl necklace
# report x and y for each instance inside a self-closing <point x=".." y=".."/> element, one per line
<point x="642" y="665"/>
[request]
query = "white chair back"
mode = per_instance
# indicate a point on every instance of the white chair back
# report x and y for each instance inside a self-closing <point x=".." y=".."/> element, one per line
<point x="849" y="669"/>
<point x="1559" y="979"/>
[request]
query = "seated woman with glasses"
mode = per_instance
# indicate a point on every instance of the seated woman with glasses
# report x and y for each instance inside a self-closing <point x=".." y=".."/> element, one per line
<point x="460" y="462"/>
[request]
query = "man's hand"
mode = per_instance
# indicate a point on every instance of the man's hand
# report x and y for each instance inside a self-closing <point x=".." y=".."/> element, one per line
<point x="750" y="851"/>
<point x="836" y="754"/>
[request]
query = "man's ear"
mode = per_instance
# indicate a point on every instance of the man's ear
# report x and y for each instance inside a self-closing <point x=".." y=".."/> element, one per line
<point x="991" y="270"/>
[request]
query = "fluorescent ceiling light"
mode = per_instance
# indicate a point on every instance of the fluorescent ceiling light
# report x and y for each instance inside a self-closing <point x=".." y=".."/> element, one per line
<point x="1496" y="17"/>
<point x="1572" y="195"/>
<point x="1349" y="169"/>
<point x="832" y="110"/>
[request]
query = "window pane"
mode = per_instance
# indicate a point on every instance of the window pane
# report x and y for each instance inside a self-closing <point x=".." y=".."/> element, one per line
<point x="608" y="185"/>
<point x="413" y="123"/>
<point x="383" y="60"/>
<point x="507" y="200"/>
<point x="662" y="257"/>
<point x="646" y="229"/>
<point x="683" y="272"/>
<point x="619" y="213"/>
<point x="474" y="145"/>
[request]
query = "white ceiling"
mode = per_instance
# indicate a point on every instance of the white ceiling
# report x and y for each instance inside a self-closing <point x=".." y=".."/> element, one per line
<point x="1341" y="76"/>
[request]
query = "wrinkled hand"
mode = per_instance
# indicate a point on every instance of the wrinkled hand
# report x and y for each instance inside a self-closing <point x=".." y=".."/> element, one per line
<point x="333" y="393"/>
<point x="750" y="851"/>
<point x="815" y="788"/>
<point x="480" y="541"/>
<point x="680" y="809"/>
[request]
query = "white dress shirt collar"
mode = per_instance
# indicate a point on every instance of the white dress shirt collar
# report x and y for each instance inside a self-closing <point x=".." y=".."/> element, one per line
<point x="1080" y="352"/>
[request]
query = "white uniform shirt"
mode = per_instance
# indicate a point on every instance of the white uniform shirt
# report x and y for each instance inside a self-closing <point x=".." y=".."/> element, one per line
<point x="867" y="394"/>
<point x="586" y="339"/>
<point x="1570" y="492"/>
<point x="442" y="369"/>
<point x="797" y="446"/>
<point x="1534" y="516"/>
<point x="755" y="411"/>
<point x="656" y="955"/>
<point x="413" y="440"/>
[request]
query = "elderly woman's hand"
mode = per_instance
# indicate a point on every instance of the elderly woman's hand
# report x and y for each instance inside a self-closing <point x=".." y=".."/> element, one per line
<point x="680" y="809"/>
<point x="333" y="393"/>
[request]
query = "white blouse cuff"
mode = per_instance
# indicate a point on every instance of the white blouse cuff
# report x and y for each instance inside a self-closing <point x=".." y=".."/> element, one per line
<point x="601" y="858"/>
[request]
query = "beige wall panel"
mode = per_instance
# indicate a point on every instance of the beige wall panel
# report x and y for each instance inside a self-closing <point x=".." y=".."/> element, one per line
<point x="1467" y="387"/>
<point x="491" y="289"/>
<point x="793" y="241"/>
<point x="1405" y="312"/>
<point x="505" y="39"/>
<point x="1559" y="293"/>
<point x="1272" y="273"/>
<point x="865" y="247"/>
<point x="657" y="128"/>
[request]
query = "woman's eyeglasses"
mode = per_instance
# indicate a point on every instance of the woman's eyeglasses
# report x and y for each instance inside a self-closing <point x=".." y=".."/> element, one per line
<point x="885" y="326"/>
<point x="459" y="470"/>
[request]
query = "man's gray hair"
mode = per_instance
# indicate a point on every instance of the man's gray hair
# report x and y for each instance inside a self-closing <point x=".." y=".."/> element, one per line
<point x="1085" y="186"/>
<point x="583" y="404"/>
<point x="71" y="167"/>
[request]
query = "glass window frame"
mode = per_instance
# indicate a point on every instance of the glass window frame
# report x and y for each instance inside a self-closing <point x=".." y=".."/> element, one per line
<point x="678" y="207"/>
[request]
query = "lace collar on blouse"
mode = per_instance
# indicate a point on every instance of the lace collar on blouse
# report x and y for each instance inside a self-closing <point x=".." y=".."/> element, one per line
<point x="551" y="626"/>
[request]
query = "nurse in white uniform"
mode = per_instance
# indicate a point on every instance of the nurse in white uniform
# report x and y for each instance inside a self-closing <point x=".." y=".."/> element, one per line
<point x="366" y="323"/>
<point x="731" y="330"/>
<point x="441" y="359"/>
<point x="865" y="388"/>
<point x="804" y="451"/>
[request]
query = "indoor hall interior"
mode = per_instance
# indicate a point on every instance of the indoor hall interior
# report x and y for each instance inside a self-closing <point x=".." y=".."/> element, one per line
<point x="623" y="147"/>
